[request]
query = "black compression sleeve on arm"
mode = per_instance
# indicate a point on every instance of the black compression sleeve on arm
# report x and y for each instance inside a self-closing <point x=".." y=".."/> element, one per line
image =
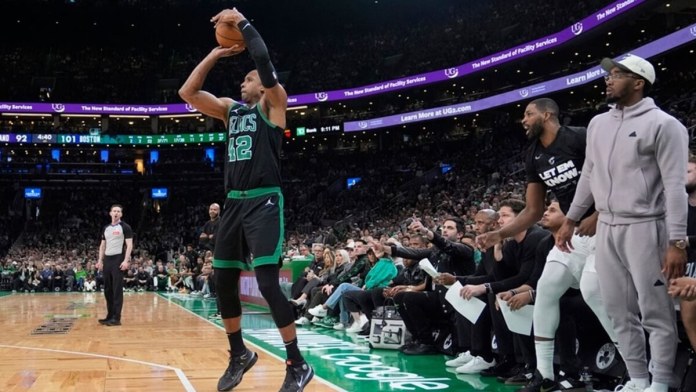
<point x="259" y="53"/>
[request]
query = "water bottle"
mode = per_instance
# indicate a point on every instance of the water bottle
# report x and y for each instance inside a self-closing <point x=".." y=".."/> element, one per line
<point x="586" y="377"/>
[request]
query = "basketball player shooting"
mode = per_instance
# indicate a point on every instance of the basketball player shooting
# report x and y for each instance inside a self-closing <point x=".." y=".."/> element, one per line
<point x="253" y="220"/>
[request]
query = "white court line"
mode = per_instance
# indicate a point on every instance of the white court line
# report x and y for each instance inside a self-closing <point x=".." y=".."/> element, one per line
<point x="321" y="380"/>
<point x="179" y="373"/>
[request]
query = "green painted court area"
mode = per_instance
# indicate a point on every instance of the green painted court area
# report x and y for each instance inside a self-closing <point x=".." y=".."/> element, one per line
<point x="347" y="361"/>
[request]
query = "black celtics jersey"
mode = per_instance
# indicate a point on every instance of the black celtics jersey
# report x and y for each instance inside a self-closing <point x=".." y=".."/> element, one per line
<point x="253" y="149"/>
<point x="559" y="165"/>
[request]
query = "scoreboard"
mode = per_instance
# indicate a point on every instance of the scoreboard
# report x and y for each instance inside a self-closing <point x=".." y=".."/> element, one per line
<point x="15" y="138"/>
<point x="37" y="138"/>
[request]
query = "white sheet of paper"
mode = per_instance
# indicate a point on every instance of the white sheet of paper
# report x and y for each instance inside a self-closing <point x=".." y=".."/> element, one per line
<point x="427" y="266"/>
<point x="519" y="321"/>
<point x="471" y="309"/>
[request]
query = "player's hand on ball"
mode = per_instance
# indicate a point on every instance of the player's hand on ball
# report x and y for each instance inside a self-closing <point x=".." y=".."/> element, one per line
<point x="220" y="52"/>
<point x="228" y="16"/>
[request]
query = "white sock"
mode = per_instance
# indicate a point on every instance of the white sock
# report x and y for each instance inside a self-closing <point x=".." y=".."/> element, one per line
<point x="544" y="356"/>
<point x="641" y="382"/>
<point x="659" y="387"/>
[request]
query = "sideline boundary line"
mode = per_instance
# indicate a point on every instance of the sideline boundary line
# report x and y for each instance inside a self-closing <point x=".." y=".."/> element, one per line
<point x="323" y="381"/>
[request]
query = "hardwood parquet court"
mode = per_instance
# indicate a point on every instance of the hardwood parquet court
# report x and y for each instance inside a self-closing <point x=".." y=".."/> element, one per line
<point x="159" y="347"/>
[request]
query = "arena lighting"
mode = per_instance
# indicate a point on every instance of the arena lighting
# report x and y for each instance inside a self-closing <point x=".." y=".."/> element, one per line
<point x="79" y="115"/>
<point x="298" y="107"/>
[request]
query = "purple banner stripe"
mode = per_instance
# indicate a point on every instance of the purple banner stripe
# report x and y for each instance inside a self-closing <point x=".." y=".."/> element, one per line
<point x="661" y="45"/>
<point x="539" y="45"/>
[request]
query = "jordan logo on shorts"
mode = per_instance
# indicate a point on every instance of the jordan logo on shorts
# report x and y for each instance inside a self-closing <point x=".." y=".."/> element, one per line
<point x="269" y="202"/>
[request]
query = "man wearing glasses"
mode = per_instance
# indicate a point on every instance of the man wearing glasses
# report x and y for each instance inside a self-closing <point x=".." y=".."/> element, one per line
<point x="634" y="174"/>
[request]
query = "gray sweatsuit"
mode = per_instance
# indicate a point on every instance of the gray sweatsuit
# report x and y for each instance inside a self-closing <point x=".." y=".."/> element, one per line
<point x="634" y="173"/>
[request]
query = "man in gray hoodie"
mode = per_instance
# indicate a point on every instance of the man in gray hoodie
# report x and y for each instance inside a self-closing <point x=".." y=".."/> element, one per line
<point x="634" y="174"/>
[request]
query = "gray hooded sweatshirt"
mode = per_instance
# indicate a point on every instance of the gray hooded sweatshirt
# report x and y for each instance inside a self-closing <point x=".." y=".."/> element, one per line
<point x="635" y="168"/>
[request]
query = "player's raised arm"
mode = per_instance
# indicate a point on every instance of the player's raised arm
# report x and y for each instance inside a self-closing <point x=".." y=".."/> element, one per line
<point x="204" y="101"/>
<point x="275" y="99"/>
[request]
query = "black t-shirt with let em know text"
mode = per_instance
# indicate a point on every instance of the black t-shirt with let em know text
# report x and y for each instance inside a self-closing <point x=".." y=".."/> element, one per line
<point x="559" y="165"/>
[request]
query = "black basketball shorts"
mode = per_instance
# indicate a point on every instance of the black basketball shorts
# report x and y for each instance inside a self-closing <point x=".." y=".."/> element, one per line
<point x="251" y="229"/>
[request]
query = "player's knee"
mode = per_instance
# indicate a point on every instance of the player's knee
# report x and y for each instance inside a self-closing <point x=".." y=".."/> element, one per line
<point x="230" y="309"/>
<point x="265" y="283"/>
<point x="547" y="290"/>
<point x="227" y="289"/>
<point x="269" y="289"/>
<point x="589" y="287"/>
<point x="267" y="280"/>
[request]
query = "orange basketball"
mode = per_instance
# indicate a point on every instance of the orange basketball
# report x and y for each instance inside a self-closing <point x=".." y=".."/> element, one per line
<point x="228" y="35"/>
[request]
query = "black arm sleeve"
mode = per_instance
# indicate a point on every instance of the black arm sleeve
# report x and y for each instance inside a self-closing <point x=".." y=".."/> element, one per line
<point x="259" y="53"/>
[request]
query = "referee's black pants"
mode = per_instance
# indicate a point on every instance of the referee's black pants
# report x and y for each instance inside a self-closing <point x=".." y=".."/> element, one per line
<point x="113" y="286"/>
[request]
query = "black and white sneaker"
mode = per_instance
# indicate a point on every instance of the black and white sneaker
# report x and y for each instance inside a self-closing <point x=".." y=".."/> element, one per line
<point x="297" y="377"/>
<point x="540" y="384"/>
<point x="365" y="331"/>
<point x="236" y="369"/>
